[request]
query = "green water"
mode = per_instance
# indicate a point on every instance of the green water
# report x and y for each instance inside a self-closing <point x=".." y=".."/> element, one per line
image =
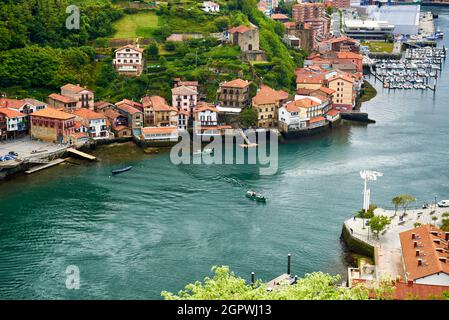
<point x="160" y="226"/>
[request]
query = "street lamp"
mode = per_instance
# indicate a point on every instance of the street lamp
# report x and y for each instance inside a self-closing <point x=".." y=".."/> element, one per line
<point x="435" y="202"/>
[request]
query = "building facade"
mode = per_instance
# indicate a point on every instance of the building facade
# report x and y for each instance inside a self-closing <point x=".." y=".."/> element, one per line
<point x="52" y="125"/>
<point x="266" y="103"/>
<point x="234" y="94"/>
<point x="96" y="123"/>
<point x="129" y="60"/>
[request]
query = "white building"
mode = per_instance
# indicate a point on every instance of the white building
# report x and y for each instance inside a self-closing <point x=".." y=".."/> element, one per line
<point x="305" y="112"/>
<point x="160" y="133"/>
<point x="404" y="17"/>
<point x="209" y="6"/>
<point x="184" y="98"/>
<point x="129" y="60"/>
<point x="96" y="123"/>
<point x="15" y="120"/>
<point x="368" y="29"/>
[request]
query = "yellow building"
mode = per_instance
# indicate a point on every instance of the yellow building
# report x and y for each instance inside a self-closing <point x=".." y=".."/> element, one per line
<point x="52" y="125"/>
<point x="266" y="103"/>
<point x="158" y="113"/>
<point x="345" y="93"/>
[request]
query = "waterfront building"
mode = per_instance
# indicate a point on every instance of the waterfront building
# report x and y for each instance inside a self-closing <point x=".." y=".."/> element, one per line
<point x="52" y="125"/>
<point x="344" y="91"/>
<point x="115" y="118"/>
<point x="25" y="106"/>
<point x="58" y="101"/>
<point x="368" y="29"/>
<point x="190" y="84"/>
<point x="95" y="123"/>
<point x="130" y="110"/>
<point x="184" y="119"/>
<point x="302" y="114"/>
<point x="266" y="103"/>
<point x="15" y="122"/>
<point x="129" y="60"/>
<point x="404" y="17"/>
<point x="304" y="11"/>
<point x="157" y="113"/>
<point x="209" y="6"/>
<point x="3" y="132"/>
<point x="160" y="133"/>
<point x="122" y="132"/>
<point x="234" y="94"/>
<point x="84" y="97"/>
<point x="425" y="255"/>
<point x="184" y="98"/>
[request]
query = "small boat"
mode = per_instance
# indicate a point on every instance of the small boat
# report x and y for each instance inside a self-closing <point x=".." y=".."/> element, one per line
<point x="205" y="151"/>
<point x="255" y="196"/>
<point x="117" y="171"/>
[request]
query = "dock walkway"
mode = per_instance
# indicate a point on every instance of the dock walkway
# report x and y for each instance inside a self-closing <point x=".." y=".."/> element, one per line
<point x="44" y="166"/>
<point x="82" y="154"/>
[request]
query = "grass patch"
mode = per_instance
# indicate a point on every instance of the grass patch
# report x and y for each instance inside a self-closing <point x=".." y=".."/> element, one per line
<point x="379" y="46"/>
<point x="368" y="92"/>
<point x="136" y="25"/>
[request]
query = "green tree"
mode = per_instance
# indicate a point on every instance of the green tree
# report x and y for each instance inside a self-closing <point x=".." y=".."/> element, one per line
<point x="406" y="200"/>
<point x="248" y="118"/>
<point x="153" y="50"/>
<point x="378" y="224"/>
<point x="225" y="285"/>
<point x="396" y="201"/>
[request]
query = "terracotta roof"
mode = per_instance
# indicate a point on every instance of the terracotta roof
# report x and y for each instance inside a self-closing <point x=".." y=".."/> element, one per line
<point x="12" y="103"/>
<point x="326" y="90"/>
<point x="304" y="92"/>
<point x="130" y="46"/>
<point x="339" y="39"/>
<point x="279" y="16"/>
<point x="289" y="24"/>
<point x="333" y="112"/>
<point x="157" y="130"/>
<point x="11" y="113"/>
<point x="88" y="114"/>
<point x="302" y="103"/>
<point x="188" y="83"/>
<point x="102" y="104"/>
<point x="111" y="114"/>
<point x="61" y="98"/>
<point x="310" y="78"/>
<point x="236" y="83"/>
<point x="205" y="106"/>
<point x="267" y="95"/>
<point x="128" y="109"/>
<point x="349" y="55"/>
<point x="158" y="103"/>
<point x="52" y="113"/>
<point x="184" y="112"/>
<point x="317" y="119"/>
<point x="78" y="125"/>
<point x="131" y="103"/>
<point x="183" y="91"/>
<point x="73" y="87"/>
<point x="79" y="135"/>
<point x="342" y="77"/>
<point x="240" y="29"/>
<point x="429" y="241"/>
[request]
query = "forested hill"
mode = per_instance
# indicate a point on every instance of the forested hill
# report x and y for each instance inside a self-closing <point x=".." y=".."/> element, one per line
<point x="42" y="22"/>
<point x="38" y="54"/>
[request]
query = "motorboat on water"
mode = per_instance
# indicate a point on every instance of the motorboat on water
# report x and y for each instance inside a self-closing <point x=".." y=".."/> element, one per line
<point x="255" y="196"/>
<point x="205" y="151"/>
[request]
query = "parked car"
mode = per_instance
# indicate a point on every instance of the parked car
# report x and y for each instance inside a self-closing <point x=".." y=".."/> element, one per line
<point x="443" y="203"/>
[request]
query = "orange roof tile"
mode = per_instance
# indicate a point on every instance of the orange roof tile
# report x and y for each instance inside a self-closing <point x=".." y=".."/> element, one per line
<point x="158" y="130"/>
<point x="204" y="106"/>
<point x="349" y="55"/>
<point x="12" y="103"/>
<point x="88" y="114"/>
<point x="157" y="103"/>
<point x="317" y="119"/>
<point x="236" y="83"/>
<point x="61" y="98"/>
<point x="130" y="46"/>
<point x="73" y="87"/>
<point x="302" y="103"/>
<point x="267" y="95"/>
<point x="239" y="29"/>
<point x="431" y="247"/>
<point x="53" y="113"/>
<point x="11" y="113"/>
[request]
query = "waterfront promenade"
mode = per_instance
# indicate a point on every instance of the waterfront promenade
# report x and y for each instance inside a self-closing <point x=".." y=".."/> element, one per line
<point x="387" y="248"/>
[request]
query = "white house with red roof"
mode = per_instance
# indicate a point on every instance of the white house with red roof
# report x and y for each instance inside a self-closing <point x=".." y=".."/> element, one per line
<point x="15" y="122"/>
<point x="96" y="123"/>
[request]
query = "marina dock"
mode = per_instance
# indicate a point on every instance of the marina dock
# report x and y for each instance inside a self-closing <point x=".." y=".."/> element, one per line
<point x="82" y="154"/>
<point x="45" y="166"/>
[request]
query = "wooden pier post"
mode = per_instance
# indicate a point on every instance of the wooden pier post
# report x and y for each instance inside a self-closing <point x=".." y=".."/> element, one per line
<point x="289" y="262"/>
<point x="252" y="278"/>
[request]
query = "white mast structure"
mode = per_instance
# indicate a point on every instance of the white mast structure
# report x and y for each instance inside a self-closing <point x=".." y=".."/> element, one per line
<point x="371" y="176"/>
